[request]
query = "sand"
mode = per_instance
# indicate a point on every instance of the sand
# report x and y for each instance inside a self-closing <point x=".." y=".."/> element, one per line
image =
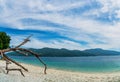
<point x="36" y="74"/>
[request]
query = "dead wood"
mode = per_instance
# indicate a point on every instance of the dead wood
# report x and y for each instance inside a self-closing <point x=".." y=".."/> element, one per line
<point x="8" y="69"/>
<point x="6" y="58"/>
<point x="21" y="51"/>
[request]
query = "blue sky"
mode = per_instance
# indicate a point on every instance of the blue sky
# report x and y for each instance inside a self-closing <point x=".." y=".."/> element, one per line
<point x="71" y="24"/>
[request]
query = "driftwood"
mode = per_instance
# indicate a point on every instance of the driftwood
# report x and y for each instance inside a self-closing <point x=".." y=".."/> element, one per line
<point x="8" y="69"/>
<point x="21" y="51"/>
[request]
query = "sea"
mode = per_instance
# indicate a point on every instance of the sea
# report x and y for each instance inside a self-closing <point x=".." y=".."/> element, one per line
<point x="75" y="64"/>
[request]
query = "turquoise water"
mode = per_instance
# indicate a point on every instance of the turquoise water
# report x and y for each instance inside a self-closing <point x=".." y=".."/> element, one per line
<point x="78" y="64"/>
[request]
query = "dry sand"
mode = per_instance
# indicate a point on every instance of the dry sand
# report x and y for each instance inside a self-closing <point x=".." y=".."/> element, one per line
<point x="35" y="74"/>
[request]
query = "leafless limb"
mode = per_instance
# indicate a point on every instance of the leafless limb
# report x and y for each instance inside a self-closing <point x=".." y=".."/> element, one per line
<point x="21" y="51"/>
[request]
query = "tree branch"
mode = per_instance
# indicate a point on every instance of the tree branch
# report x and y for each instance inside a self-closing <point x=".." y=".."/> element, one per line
<point x="21" y="51"/>
<point x="25" y="41"/>
<point x="36" y="55"/>
<point x="9" y="59"/>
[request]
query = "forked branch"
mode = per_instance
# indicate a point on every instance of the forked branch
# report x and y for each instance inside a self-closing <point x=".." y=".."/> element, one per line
<point x="21" y="51"/>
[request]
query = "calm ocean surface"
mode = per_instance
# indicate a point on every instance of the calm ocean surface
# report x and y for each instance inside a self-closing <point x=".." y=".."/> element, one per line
<point x="78" y="64"/>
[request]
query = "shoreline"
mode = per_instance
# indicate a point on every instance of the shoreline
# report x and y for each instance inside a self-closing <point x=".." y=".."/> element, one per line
<point x="35" y="74"/>
<point x="66" y="70"/>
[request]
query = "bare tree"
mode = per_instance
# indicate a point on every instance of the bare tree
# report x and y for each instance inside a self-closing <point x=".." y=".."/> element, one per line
<point x="21" y="51"/>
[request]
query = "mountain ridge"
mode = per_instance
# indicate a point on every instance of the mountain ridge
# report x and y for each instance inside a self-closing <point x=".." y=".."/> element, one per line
<point x="54" y="52"/>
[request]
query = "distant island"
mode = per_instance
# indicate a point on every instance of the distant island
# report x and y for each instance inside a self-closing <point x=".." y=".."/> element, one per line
<point x="53" y="52"/>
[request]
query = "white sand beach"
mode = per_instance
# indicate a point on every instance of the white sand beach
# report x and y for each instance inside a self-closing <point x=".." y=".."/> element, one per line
<point x="36" y="74"/>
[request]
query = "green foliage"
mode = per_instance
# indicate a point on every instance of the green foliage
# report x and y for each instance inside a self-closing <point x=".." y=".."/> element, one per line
<point x="52" y="52"/>
<point x="4" y="40"/>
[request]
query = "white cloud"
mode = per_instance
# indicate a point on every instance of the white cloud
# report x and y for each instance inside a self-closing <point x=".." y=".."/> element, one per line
<point x="35" y="43"/>
<point x="78" y="28"/>
<point x="118" y="14"/>
<point x="54" y="44"/>
<point x="109" y="5"/>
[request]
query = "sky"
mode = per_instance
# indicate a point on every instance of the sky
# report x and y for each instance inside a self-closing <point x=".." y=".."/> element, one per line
<point x="71" y="24"/>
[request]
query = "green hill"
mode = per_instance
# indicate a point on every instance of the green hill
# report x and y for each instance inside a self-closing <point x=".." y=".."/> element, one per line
<point x="53" y="52"/>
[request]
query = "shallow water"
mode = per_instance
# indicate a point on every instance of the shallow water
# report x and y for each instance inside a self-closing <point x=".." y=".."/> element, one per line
<point x="82" y="64"/>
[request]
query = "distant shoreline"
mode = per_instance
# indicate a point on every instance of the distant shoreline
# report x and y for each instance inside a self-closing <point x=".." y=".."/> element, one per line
<point x="54" y="52"/>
